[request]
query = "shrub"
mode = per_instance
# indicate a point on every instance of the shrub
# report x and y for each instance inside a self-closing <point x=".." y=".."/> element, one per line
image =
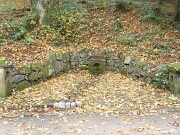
<point x="126" y="39"/>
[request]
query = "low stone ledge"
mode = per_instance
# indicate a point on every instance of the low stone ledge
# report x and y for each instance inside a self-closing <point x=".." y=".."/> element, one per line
<point x="174" y="77"/>
<point x="59" y="63"/>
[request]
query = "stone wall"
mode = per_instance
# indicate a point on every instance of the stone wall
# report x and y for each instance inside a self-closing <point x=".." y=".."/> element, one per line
<point x="59" y="63"/>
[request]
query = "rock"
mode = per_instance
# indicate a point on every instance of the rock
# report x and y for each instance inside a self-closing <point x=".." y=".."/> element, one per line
<point x="127" y="60"/>
<point x="18" y="78"/>
<point x="23" y="84"/>
<point x="73" y="105"/>
<point x="59" y="57"/>
<point x="83" y="67"/>
<point x="115" y="58"/>
<point x="111" y="62"/>
<point x="78" y="103"/>
<point x="68" y="105"/>
<point x="51" y="58"/>
<point x="60" y="105"/>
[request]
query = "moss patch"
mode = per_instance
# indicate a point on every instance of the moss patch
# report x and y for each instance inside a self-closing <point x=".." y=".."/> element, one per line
<point x="174" y="67"/>
<point x="8" y="89"/>
<point x="22" y="85"/>
<point x="65" y="55"/>
<point x="25" y="70"/>
<point x="33" y="77"/>
<point x="37" y="66"/>
<point x="44" y="73"/>
<point x="3" y="60"/>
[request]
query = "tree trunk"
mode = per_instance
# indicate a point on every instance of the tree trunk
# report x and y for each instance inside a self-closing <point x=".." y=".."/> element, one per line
<point x="177" y="11"/>
<point x="160" y="2"/>
<point x="40" y="6"/>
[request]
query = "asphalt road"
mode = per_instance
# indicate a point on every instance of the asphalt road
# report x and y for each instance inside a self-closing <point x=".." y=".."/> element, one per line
<point x="83" y="124"/>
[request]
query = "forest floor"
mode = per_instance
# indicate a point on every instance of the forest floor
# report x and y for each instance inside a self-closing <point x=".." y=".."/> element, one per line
<point x="148" y="41"/>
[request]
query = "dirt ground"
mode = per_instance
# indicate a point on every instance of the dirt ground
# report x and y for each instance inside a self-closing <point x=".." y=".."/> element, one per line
<point x="17" y="3"/>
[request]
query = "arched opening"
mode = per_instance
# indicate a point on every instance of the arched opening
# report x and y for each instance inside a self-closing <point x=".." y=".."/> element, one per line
<point x="97" y="67"/>
<point x="7" y="75"/>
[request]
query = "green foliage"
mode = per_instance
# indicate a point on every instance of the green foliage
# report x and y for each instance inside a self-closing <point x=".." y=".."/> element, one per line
<point x="101" y="3"/>
<point x="7" y="7"/>
<point x="7" y="10"/>
<point x="126" y="39"/>
<point x="161" y="76"/>
<point x="22" y="27"/>
<point x="29" y="22"/>
<point x="116" y="25"/>
<point x="20" y="31"/>
<point x="163" y="47"/>
<point x="1" y="38"/>
<point x="65" y="21"/>
<point x="28" y="39"/>
<point x="151" y="17"/>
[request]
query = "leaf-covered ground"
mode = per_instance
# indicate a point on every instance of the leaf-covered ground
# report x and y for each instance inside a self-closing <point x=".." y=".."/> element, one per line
<point x="151" y="43"/>
<point x="107" y="93"/>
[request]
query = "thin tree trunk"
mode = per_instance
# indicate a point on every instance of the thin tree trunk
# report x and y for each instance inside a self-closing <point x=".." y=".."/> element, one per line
<point x="177" y="11"/>
<point x="160" y="2"/>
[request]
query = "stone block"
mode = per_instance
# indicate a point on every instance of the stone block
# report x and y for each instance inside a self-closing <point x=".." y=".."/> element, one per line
<point x="57" y="66"/>
<point x="74" y="56"/>
<point x="33" y="76"/>
<point x="78" y="103"/>
<point x="111" y="62"/>
<point x="123" y="70"/>
<point x="83" y="67"/>
<point x="116" y="65"/>
<point x="24" y="70"/>
<point x="174" y="77"/>
<point x="83" y="54"/>
<point x="115" y="58"/>
<point x="22" y="85"/>
<point x="68" y="105"/>
<point x="37" y="66"/>
<point x="59" y="56"/>
<point x="61" y="105"/>
<point x="174" y="83"/>
<point x="73" y="105"/>
<point x="127" y="60"/>
<point x="19" y="78"/>
<point x="51" y="58"/>
<point x="97" y="64"/>
<point x="5" y="78"/>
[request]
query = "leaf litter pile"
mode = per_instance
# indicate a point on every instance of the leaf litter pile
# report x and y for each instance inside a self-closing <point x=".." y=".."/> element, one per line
<point x="102" y="94"/>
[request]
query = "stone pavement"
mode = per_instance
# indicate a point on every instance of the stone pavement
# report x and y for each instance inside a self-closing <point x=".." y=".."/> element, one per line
<point x="87" y="124"/>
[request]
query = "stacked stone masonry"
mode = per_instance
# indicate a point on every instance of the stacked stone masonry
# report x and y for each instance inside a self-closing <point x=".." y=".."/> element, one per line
<point x="59" y="63"/>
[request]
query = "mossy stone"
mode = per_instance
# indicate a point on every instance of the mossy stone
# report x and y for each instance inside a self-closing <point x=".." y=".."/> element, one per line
<point x="33" y="77"/>
<point x="65" y="55"/>
<point x="22" y="85"/>
<point x="174" y="67"/>
<point x="97" y="64"/>
<point x="123" y="71"/>
<point x="24" y="70"/>
<point x="37" y="66"/>
<point x="122" y="58"/>
<point x="97" y="69"/>
<point x="8" y="89"/>
<point x="2" y="61"/>
<point x="83" y="67"/>
<point x="44" y="73"/>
